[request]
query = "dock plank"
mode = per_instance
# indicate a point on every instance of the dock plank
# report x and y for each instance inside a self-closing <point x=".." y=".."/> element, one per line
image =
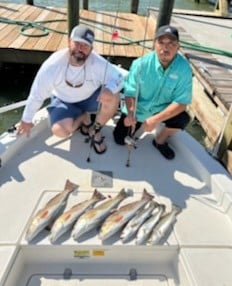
<point x="31" y="42"/>
<point x="7" y="12"/>
<point x="52" y="40"/>
<point x="130" y="26"/>
<point x="9" y="32"/>
<point x="20" y="39"/>
<point x="98" y="34"/>
<point x="56" y="38"/>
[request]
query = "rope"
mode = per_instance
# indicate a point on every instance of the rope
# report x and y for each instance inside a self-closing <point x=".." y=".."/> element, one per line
<point x="205" y="49"/>
<point x="38" y="25"/>
<point x="44" y="31"/>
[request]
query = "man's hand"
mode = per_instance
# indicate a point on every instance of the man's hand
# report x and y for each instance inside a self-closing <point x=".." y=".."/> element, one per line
<point x="130" y="120"/>
<point x="150" y="124"/>
<point x="25" y="127"/>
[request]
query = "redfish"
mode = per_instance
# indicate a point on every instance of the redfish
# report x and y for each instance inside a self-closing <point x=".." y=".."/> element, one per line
<point x="48" y="213"/>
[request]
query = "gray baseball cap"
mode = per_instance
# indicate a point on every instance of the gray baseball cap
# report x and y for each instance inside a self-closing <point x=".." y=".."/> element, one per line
<point x="82" y="34"/>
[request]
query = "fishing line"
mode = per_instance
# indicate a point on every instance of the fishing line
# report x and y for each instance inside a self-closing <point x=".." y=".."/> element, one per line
<point x="130" y="138"/>
<point x="96" y="125"/>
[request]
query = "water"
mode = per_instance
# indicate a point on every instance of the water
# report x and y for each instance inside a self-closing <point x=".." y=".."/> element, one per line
<point x="124" y="6"/>
<point x="17" y="79"/>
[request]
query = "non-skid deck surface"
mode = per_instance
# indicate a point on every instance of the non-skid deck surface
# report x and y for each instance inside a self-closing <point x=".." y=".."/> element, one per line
<point x="203" y="228"/>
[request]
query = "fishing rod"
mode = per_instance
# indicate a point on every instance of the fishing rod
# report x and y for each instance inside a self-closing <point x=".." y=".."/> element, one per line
<point x="96" y="125"/>
<point x="130" y="139"/>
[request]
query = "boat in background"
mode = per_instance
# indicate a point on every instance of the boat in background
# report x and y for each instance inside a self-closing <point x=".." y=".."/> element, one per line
<point x="34" y="169"/>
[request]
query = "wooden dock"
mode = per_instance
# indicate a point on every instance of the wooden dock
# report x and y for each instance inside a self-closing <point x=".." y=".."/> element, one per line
<point x="212" y="89"/>
<point x="15" y="46"/>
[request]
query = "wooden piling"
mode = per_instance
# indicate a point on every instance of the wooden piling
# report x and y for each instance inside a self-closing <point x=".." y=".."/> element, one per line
<point x="86" y="4"/>
<point x="30" y="2"/>
<point x="165" y="12"/>
<point x="134" y="6"/>
<point x="223" y="7"/>
<point x="226" y="136"/>
<point x="73" y="14"/>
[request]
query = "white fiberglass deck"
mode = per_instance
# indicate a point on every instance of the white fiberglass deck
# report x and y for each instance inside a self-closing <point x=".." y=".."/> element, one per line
<point x="196" y="252"/>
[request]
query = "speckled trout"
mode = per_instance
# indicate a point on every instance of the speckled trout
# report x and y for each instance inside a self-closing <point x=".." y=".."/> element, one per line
<point x="146" y="228"/>
<point x="48" y="213"/>
<point x="163" y="226"/>
<point x="119" y="218"/>
<point x="65" y="222"/>
<point x="94" y="217"/>
<point x="133" y="224"/>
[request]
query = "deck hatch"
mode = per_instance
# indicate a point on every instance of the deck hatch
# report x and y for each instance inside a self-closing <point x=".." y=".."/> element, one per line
<point x="102" y="179"/>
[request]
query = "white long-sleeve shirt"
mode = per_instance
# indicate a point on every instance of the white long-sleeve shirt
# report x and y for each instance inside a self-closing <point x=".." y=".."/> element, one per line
<point x="52" y="75"/>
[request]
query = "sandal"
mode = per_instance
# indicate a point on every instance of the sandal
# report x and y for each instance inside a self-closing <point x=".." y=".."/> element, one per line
<point x="96" y="143"/>
<point x="84" y="128"/>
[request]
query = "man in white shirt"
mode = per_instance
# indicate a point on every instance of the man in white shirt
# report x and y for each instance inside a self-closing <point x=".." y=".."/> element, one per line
<point x="79" y="82"/>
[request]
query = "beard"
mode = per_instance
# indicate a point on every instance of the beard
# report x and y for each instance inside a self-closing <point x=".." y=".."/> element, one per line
<point x="79" y="58"/>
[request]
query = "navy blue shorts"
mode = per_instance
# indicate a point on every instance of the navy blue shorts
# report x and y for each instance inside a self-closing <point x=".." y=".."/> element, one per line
<point x="179" y="121"/>
<point x="59" y="110"/>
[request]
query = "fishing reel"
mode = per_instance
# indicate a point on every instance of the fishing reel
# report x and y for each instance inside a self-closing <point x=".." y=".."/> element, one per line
<point x="130" y="141"/>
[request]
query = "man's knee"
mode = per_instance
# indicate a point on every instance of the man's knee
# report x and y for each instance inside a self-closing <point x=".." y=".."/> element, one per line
<point x="59" y="131"/>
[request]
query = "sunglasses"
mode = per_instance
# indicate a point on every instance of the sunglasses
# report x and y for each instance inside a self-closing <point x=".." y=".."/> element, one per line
<point x="74" y="85"/>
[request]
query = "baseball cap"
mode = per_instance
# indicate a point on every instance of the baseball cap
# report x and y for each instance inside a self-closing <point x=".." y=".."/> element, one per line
<point x="167" y="31"/>
<point x="82" y="34"/>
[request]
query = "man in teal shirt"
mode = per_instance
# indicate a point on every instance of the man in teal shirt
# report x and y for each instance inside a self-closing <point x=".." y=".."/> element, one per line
<point x="157" y="90"/>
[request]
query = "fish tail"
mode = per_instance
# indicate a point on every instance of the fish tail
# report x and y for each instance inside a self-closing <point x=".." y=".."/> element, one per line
<point x="146" y="195"/>
<point x="176" y="208"/>
<point x="123" y="193"/>
<point x="97" y="195"/>
<point x="70" y="186"/>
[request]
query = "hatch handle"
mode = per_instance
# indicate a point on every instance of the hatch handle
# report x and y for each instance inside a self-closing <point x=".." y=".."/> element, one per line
<point x="133" y="274"/>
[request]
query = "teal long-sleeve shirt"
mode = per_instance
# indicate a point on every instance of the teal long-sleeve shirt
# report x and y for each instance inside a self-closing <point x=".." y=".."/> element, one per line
<point x="155" y="87"/>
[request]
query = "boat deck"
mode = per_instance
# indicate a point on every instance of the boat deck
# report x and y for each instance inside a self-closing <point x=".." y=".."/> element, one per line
<point x="35" y="170"/>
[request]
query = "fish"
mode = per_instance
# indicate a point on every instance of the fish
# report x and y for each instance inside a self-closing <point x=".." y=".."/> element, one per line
<point x="119" y="218"/>
<point x="48" y="213"/>
<point x="133" y="225"/>
<point x="94" y="217"/>
<point x="163" y="226"/>
<point x="65" y="222"/>
<point x="146" y="228"/>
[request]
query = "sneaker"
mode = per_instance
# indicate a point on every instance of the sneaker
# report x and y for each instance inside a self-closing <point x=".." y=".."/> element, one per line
<point x="165" y="150"/>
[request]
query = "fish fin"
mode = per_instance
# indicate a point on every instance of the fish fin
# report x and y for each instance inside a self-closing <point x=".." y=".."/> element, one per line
<point x="44" y="213"/>
<point x="66" y="216"/>
<point x="70" y="186"/>
<point x="90" y="214"/>
<point x="118" y="218"/>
